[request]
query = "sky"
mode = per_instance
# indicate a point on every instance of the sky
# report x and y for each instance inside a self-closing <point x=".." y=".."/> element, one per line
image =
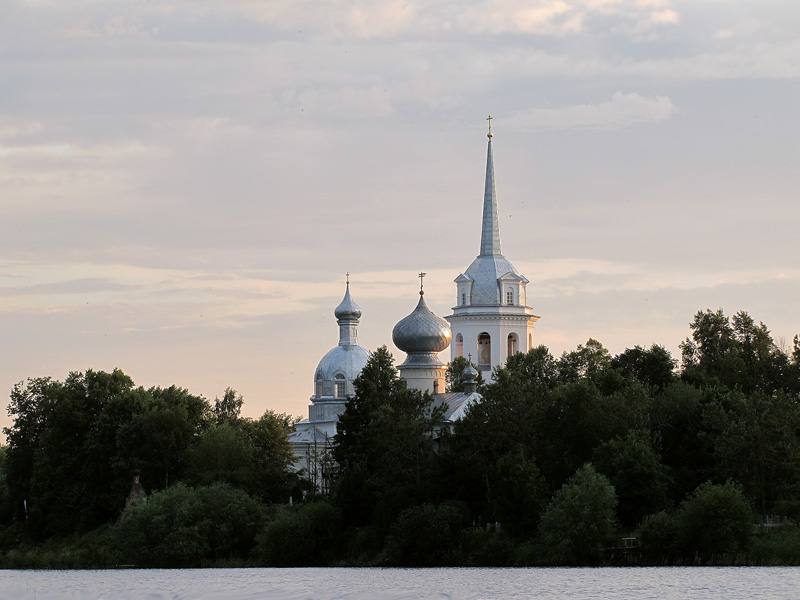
<point x="184" y="184"/>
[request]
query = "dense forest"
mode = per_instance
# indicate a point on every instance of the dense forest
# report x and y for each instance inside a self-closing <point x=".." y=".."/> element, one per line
<point x="583" y="459"/>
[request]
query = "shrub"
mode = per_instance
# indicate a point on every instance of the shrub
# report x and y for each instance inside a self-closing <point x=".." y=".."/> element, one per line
<point x="715" y="519"/>
<point x="579" y="521"/>
<point x="185" y="527"/>
<point x="305" y="535"/>
<point x="426" y="536"/>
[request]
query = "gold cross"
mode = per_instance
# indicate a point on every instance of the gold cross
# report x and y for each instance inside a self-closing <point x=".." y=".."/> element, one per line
<point x="489" y="118"/>
<point x="421" y="275"/>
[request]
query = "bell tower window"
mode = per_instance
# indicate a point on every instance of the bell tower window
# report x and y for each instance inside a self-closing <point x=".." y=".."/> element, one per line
<point x="509" y="297"/>
<point x="484" y="351"/>
<point x="459" y="345"/>
<point x="513" y="344"/>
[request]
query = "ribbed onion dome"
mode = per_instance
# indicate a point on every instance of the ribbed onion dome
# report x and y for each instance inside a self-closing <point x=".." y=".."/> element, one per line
<point x="469" y="374"/>
<point x="422" y="331"/>
<point x="347" y="310"/>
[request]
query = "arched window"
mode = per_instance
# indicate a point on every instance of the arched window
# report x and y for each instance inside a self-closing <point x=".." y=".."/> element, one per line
<point x="459" y="345"/>
<point x="513" y="344"/>
<point x="339" y="386"/>
<point x="484" y="350"/>
<point x="530" y="342"/>
<point x="318" y="386"/>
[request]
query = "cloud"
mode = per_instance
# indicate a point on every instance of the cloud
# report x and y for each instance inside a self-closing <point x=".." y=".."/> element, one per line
<point x="623" y="110"/>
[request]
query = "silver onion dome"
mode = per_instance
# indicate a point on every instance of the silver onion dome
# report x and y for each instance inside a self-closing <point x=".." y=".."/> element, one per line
<point x="347" y="310"/>
<point x="469" y="374"/>
<point x="421" y="331"/>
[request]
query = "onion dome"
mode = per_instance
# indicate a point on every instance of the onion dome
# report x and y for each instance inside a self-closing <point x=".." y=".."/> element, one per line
<point x="469" y="374"/>
<point x="421" y="331"/>
<point x="347" y="310"/>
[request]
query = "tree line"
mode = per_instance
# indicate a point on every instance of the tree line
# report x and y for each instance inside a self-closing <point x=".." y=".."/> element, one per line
<point x="562" y="460"/>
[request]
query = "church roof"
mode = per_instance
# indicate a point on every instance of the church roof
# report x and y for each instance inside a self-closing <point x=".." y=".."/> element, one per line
<point x="347" y="310"/>
<point x="456" y="404"/>
<point x="490" y="265"/>
<point x="421" y="331"/>
<point x="490" y="230"/>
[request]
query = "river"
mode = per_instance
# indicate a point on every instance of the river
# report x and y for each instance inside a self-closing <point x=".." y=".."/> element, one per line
<point x="666" y="583"/>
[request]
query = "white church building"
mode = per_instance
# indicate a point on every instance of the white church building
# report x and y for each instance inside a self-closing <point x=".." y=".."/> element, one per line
<point x="490" y="322"/>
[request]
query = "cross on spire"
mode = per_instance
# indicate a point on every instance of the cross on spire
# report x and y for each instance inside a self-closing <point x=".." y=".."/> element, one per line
<point x="421" y="275"/>
<point x="489" y="118"/>
<point x="347" y="275"/>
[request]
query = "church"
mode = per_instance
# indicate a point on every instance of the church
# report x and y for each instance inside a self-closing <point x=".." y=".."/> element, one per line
<point x="490" y="322"/>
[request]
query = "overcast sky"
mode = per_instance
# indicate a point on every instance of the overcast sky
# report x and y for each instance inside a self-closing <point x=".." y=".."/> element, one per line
<point x="184" y="184"/>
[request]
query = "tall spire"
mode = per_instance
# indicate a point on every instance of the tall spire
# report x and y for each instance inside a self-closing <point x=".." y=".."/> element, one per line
<point x="490" y="231"/>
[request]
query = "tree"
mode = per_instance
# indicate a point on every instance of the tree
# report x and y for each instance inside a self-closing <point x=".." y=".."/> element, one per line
<point x="272" y="454"/>
<point x="589" y="361"/>
<point x="220" y="454"/>
<point x="229" y="408"/>
<point x="426" y="536"/>
<point x="383" y="445"/>
<point x="579" y="521"/>
<point x="61" y="455"/>
<point x="654" y="366"/>
<point x="455" y="370"/>
<point x="304" y="535"/>
<point x="186" y="527"/>
<point x="634" y="469"/>
<point x="715" y="519"/>
<point x="157" y="438"/>
<point x="756" y="442"/>
<point x="739" y="354"/>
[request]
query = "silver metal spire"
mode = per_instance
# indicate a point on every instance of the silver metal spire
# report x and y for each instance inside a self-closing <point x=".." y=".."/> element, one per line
<point x="490" y="230"/>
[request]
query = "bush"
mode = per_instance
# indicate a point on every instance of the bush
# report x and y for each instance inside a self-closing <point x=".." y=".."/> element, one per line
<point x="657" y="534"/>
<point x="426" y="536"/>
<point x="715" y="519"/>
<point x="579" y="521"/>
<point x="489" y="549"/>
<point x="306" y="535"/>
<point x="777" y="547"/>
<point x="185" y="527"/>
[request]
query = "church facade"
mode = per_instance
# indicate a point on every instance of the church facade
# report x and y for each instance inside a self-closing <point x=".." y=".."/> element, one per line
<point x="490" y="322"/>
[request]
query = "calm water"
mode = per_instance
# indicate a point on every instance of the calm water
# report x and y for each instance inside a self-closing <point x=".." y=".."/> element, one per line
<point x="405" y="584"/>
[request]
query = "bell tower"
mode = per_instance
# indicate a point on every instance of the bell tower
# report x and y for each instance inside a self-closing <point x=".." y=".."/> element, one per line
<point x="491" y="319"/>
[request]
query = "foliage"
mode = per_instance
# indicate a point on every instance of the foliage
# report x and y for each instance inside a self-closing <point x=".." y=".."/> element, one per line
<point x="62" y="458"/>
<point x="737" y="353"/>
<point x="634" y="469"/>
<point x="309" y="534"/>
<point x="229" y="408"/>
<point x="189" y="527"/>
<point x="384" y="445"/>
<point x="455" y="371"/>
<point x="426" y="536"/>
<point x="755" y="441"/>
<point x="715" y="519"/>
<point x="777" y="547"/>
<point x="654" y="366"/>
<point x="579" y="521"/>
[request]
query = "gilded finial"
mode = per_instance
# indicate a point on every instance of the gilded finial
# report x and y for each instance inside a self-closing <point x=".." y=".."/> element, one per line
<point x="347" y="276"/>
<point x="490" y="134"/>
<point x="421" y="275"/>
